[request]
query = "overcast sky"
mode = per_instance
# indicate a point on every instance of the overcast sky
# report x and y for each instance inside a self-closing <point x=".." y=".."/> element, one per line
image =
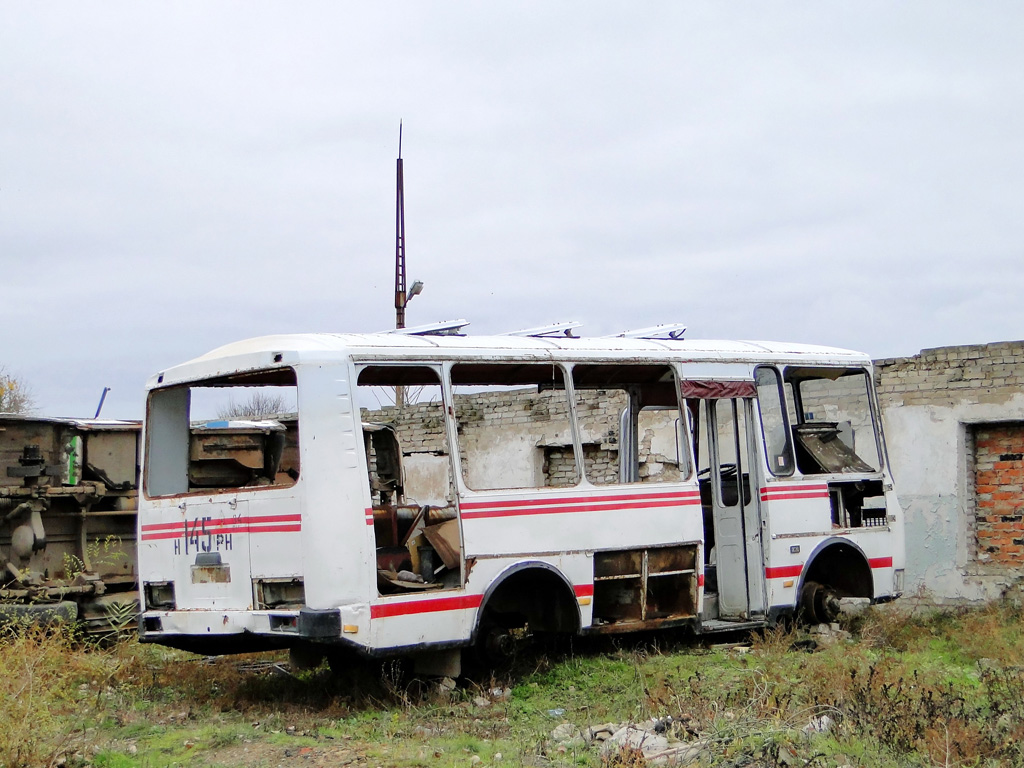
<point x="177" y="176"/>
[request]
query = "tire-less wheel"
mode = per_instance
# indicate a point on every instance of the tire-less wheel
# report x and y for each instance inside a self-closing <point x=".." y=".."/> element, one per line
<point x="819" y="603"/>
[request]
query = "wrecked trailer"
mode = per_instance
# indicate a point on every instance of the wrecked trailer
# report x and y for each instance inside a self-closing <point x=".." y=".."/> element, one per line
<point x="68" y="504"/>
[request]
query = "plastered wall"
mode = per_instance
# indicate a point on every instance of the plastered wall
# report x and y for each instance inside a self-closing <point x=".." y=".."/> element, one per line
<point x="933" y="404"/>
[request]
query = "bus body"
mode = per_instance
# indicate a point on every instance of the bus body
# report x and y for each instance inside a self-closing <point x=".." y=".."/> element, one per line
<point x="565" y="484"/>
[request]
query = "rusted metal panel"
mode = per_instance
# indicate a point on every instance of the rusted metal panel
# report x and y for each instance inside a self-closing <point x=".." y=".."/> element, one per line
<point x="617" y="564"/>
<point x="211" y="574"/>
<point x="642" y="588"/>
<point x="68" y="499"/>
<point x="717" y="390"/>
<point x="822" y="442"/>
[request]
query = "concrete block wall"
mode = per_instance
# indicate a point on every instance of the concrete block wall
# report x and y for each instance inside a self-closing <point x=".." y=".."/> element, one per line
<point x="937" y="407"/>
<point x="975" y="373"/>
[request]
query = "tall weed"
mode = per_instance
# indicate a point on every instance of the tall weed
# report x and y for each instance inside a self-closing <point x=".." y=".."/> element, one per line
<point x="50" y="690"/>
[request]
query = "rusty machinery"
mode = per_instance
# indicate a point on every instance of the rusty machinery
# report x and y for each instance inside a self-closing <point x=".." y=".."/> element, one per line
<point x="68" y="500"/>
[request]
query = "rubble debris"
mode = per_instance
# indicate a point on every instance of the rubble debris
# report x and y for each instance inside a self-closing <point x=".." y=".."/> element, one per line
<point x="829" y="634"/>
<point x="819" y="724"/>
<point x="854" y="606"/>
<point x="568" y="735"/>
<point x="648" y="742"/>
<point x="657" y="740"/>
<point x="446" y="683"/>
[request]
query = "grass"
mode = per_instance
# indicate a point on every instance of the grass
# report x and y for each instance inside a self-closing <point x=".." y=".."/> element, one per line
<point x="927" y="689"/>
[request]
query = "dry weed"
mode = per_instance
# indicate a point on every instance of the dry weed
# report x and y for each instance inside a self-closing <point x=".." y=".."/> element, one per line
<point x="50" y="688"/>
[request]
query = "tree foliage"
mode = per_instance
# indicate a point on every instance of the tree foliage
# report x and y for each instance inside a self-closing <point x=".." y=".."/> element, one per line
<point x="15" y="394"/>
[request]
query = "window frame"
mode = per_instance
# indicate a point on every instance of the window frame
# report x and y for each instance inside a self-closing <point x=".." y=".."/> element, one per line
<point x="783" y="409"/>
<point x="681" y="426"/>
<point x="163" y="462"/>
<point x="457" y="449"/>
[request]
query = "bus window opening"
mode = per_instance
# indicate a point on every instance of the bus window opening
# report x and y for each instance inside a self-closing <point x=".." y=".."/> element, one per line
<point x="631" y="427"/>
<point x="835" y="433"/>
<point x="534" y="448"/>
<point x="415" y="526"/>
<point x="224" y="434"/>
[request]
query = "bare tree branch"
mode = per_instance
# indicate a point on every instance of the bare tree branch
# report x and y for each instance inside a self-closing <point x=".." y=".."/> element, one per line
<point x="258" y="406"/>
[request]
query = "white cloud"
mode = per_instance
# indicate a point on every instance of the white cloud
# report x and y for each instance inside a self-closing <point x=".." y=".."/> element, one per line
<point x="176" y="177"/>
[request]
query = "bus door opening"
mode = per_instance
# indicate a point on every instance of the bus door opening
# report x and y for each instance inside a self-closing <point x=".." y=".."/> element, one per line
<point x="727" y="475"/>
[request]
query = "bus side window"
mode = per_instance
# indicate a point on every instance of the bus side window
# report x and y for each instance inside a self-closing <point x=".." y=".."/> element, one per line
<point x="513" y="426"/>
<point x="631" y="427"/>
<point x="835" y="430"/>
<point x="774" y="427"/>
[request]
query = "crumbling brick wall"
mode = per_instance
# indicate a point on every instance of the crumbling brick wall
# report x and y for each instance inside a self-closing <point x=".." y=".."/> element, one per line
<point x="421" y="429"/>
<point x="999" y="489"/>
<point x="942" y="376"/>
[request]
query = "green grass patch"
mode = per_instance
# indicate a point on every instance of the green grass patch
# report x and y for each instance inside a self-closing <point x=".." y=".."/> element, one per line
<point x="930" y="688"/>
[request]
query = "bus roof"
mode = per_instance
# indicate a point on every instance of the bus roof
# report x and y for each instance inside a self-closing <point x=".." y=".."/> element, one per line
<point x="319" y="348"/>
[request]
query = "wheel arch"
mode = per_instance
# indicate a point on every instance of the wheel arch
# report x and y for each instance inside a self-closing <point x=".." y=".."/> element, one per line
<point x="841" y="564"/>
<point x="512" y="588"/>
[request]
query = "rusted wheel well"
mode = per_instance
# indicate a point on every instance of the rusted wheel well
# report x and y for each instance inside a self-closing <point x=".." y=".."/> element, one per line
<point x="843" y="568"/>
<point x="534" y="595"/>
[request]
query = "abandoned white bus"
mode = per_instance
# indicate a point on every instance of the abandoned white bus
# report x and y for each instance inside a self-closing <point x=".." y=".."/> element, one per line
<point x="568" y="485"/>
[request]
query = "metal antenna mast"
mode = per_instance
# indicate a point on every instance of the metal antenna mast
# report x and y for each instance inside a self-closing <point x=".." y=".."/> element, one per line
<point x="400" y="298"/>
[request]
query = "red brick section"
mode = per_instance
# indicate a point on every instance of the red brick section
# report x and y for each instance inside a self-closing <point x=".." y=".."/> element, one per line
<point x="999" y="485"/>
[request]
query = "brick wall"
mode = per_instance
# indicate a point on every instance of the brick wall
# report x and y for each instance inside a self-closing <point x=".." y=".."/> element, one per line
<point x="999" y="489"/>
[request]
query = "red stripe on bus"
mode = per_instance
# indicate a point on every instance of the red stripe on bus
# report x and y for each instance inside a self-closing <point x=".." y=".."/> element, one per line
<point x="681" y="496"/>
<point x="783" y="571"/>
<point x="789" y="571"/>
<point x="292" y="528"/>
<point x="700" y="580"/>
<point x="155" y="536"/>
<point x="564" y="509"/>
<point x="797" y="487"/>
<point x="777" y="491"/>
<point x="199" y="522"/>
<point x="266" y="524"/>
<point x="226" y="527"/>
<point x="460" y="603"/>
<point x="794" y="495"/>
<point x="162" y="526"/>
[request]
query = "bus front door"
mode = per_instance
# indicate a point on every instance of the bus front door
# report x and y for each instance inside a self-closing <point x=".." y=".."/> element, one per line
<point x="735" y="509"/>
